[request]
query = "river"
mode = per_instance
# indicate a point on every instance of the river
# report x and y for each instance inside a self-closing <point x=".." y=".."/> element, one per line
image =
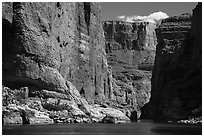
<point x="143" y="127"/>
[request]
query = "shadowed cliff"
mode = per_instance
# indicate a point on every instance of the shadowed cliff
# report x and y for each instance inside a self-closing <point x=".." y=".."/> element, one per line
<point x="177" y="75"/>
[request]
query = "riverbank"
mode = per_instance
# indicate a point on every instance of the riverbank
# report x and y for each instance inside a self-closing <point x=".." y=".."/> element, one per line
<point x="20" y="108"/>
<point x="197" y="120"/>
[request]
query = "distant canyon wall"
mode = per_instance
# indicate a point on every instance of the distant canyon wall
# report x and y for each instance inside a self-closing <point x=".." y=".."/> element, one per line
<point x="130" y="49"/>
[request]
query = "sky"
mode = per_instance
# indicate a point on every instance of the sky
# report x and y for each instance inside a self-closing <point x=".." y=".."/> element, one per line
<point x="112" y="10"/>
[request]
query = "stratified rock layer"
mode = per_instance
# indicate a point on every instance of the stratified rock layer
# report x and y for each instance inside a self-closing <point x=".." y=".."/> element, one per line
<point x="130" y="49"/>
<point x="65" y="43"/>
<point x="177" y="75"/>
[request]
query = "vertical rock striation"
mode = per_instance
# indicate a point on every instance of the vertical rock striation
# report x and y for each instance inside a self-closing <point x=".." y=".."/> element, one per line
<point x="130" y="49"/>
<point x="65" y="43"/>
<point x="54" y="61"/>
<point x="120" y="35"/>
<point x="177" y="75"/>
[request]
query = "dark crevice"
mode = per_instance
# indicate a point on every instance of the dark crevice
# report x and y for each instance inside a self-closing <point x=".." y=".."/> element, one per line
<point x="109" y="87"/>
<point x="95" y="81"/>
<point x="6" y="35"/>
<point x="58" y="5"/>
<point x="60" y="56"/>
<point x="39" y="66"/>
<point x="133" y="116"/>
<point x="104" y="86"/>
<point x="87" y="14"/>
<point x="25" y="118"/>
<point x="58" y="38"/>
<point x="65" y="43"/>
<point x="28" y="54"/>
<point x="135" y="45"/>
<point x="82" y="92"/>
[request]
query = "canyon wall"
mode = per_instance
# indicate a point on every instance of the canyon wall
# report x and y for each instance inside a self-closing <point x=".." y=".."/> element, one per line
<point x="130" y="49"/>
<point x="177" y="75"/>
<point x="55" y="57"/>
<point x="44" y="50"/>
<point x="54" y="64"/>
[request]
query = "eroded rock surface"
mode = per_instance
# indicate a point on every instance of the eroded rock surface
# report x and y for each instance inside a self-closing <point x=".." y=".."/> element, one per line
<point x="65" y="43"/>
<point x="130" y="49"/>
<point x="57" y="51"/>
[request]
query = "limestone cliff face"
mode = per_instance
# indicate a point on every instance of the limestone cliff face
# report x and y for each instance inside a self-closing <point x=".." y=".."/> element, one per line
<point x="177" y="75"/>
<point x="130" y="49"/>
<point x="52" y="43"/>
<point x="122" y="35"/>
<point x="54" y="61"/>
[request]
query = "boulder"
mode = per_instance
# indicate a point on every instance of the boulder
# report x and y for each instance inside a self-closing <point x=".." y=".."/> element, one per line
<point x="11" y="115"/>
<point x="12" y="120"/>
<point x="109" y="119"/>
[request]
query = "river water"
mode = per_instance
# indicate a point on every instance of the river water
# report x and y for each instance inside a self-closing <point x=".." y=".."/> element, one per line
<point x="142" y="127"/>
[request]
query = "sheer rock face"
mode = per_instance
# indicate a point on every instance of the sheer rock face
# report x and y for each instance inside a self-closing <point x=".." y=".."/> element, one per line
<point x="56" y="51"/>
<point x="7" y="14"/>
<point x="177" y="76"/>
<point x="130" y="49"/>
<point x="121" y="35"/>
<point x="53" y="43"/>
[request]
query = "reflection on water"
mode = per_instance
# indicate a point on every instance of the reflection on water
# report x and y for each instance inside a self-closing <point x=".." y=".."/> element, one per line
<point x="143" y="127"/>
